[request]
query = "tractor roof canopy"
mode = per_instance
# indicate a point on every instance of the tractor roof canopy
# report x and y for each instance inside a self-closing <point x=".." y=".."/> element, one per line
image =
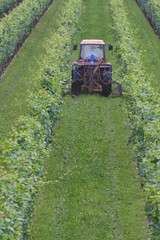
<point x="92" y="41"/>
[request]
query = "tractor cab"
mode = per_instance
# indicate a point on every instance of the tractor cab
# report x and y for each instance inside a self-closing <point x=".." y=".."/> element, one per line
<point x="92" y="50"/>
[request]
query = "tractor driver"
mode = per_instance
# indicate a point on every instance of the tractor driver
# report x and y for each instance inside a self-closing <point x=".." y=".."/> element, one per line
<point x="93" y="49"/>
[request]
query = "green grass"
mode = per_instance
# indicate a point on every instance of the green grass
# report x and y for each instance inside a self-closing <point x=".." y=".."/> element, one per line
<point x="94" y="189"/>
<point x="148" y="42"/>
<point x="17" y="81"/>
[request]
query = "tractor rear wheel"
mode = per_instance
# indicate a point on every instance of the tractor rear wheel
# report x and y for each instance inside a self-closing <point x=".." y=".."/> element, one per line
<point x="76" y="81"/>
<point x="106" y="85"/>
<point x="75" y="88"/>
<point x="106" y="89"/>
<point x="76" y="74"/>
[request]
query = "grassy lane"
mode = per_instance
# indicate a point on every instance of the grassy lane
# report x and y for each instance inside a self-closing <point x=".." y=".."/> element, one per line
<point x="94" y="189"/>
<point x="17" y="81"/>
<point x="148" y="42"/>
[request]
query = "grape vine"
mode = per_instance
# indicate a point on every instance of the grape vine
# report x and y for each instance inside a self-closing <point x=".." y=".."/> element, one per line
<point x="143" y="110"/>
<point x="24" y="153"/>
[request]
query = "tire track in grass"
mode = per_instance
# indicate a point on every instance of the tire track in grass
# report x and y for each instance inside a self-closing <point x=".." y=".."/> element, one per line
<point x="94" y="188"/>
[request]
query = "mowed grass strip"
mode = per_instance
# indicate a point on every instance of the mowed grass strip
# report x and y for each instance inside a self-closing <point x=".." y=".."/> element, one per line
<point x="17" y="81"/>
<point x="94" y="189"/>
<point x="148" y="42"/>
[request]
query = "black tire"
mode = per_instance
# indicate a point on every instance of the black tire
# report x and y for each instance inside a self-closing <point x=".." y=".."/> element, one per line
<point x="76" y="74"/>
<point x="106" y="89"/>
<point x="106" y="85"/>
<point x="76" y="81"/>
<point x="75" y="88"/>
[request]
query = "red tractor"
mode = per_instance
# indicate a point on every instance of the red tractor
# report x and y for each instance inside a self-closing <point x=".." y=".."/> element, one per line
<point x="92" y="71"/>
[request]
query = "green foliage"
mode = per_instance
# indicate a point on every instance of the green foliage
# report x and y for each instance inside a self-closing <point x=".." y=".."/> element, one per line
<point x="6" y="5"/>
<point x="93" y="190"/>
<point x="151" y="9"/>
<point x="143" y="110"/>
<point x="24" y="153"/>
<point x="17" y="81"/>
<point x="15" y="26"/>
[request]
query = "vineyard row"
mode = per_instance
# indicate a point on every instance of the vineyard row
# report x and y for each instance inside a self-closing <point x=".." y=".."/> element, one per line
<point x="24" y="153"/>
<point x="143" y="110"/>
<point x="17" y="25"/>
<point x="8" y="5"/>
<point x="151" y="10"/>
